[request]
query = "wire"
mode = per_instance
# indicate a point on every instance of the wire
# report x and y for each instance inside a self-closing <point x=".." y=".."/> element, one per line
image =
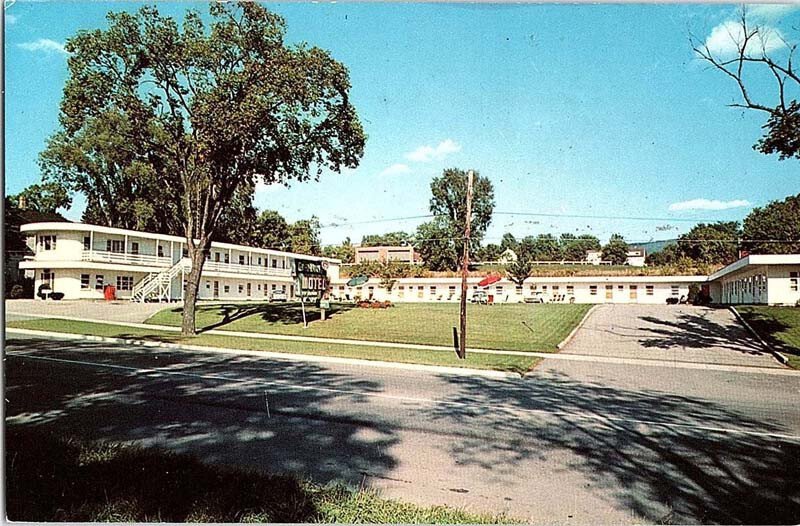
<point x="586" y="216"/>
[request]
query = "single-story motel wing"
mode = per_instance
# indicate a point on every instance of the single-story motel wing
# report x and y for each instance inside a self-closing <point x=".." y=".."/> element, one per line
<point x="80" y="260"/>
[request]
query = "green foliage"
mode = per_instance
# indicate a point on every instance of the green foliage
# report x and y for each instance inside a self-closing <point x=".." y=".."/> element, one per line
<point x="17" y="292"/>
<point x="574" y="248"/>
<point x="715" y="243"/>
<point x="344" y="252"/>
<point x="666" y="256"/>
<point x="304" y="236"/>
<point x="544" y="247"/>
<point x="398" y="238"/>
<point x="47" y="198"/>
<point x="388" y="269"/>
<point x="508" y="242"/>
<point x="518" y="271"/>
<point x="179" y="117"/>
<point x="489" y="252"/>
<point x="272" y="231"/>
<point x="439" y="241"/>
<point x="782" y="132"/>
<point x="616" y="250"/>
<point x="437" y="246"/>
<point x="775" y="228"/>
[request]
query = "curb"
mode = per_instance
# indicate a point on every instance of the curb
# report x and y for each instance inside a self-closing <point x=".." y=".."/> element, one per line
<point x="778" y="355"/>
<point x="572" y="333"/>
<point x="283" y="337"/>
<point x="454" y="371"/>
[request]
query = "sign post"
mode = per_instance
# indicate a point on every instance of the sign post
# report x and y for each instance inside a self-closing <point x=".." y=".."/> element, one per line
<point x="462" y="341"/>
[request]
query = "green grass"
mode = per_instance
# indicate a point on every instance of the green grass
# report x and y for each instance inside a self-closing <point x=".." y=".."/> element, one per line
<point x="778" y="326"/>
<point x="511" y="327"/>
<point x="53" y="478"/>
<point x="516" y="364"/>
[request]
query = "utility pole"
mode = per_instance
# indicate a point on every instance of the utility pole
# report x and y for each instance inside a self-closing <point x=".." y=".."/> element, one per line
<point x="462" y="341"/>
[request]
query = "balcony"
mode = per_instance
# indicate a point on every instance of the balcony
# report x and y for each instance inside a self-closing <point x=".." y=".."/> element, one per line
<point x="145" y="260"/>
<point x="218" y="266"/>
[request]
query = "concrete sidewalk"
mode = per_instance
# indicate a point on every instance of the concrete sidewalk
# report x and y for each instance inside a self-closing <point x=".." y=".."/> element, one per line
<point x="87" y="310"/>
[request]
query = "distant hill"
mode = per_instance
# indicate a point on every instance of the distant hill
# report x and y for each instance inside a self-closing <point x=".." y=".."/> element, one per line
<point x="651" y="247"/>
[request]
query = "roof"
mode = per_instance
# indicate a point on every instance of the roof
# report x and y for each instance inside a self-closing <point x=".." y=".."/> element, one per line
<point x="84" y="227"/>
<point x="560" y="280"/>
<point x="756" y="259"/>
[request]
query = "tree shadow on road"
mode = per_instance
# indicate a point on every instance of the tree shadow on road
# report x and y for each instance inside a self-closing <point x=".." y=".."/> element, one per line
<point x="642" y="450"/>
<point x="225" y="410"/>
<point x="695" y="331"/>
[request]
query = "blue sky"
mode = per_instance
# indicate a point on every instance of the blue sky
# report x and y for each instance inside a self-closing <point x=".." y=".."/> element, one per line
<point x="568" y="109"/>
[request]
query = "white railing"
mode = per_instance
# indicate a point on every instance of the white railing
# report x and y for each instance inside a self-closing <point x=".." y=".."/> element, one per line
<point x="125" y="258"/>
<point x="218" y="266"/>
<point x="159" y="284"/>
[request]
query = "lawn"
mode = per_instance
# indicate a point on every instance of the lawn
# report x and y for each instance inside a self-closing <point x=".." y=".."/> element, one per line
<point x="52" y="478"/>
<point x="778" y="326"/>
<point x="516" y="364"/>
<point x="511" y="327"/>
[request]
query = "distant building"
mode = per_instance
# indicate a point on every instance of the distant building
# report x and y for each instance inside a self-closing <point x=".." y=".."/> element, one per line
<point x="386" y="253"/>
<point x="635" y="257"/>
<point x="594" y="257"/>
<point x="508" y="256"/>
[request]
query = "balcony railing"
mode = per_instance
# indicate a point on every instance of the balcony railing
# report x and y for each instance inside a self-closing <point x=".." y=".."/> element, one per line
<point x="218" y="266"/>
<point x="127" y="259"/>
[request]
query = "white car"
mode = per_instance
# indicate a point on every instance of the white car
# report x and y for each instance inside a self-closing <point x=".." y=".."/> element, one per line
<point x="278" y="295"/>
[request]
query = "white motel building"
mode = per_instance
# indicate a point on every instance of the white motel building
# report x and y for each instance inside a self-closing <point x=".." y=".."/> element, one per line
<point x="80" y="261"/>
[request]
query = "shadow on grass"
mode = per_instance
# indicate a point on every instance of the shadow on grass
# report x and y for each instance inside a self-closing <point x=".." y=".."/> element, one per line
<point x="271" y="313"/>
<point x="667" y="471"/>
<point x="770" y="329"/>
<point x="225" y="410"/>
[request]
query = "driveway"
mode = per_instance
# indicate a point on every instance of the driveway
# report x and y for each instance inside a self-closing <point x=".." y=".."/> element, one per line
<point x="669" y="333"/>
<point x="119" y="310"/>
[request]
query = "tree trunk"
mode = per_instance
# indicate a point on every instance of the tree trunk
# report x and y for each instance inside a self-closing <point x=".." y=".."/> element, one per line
<point x="198" y="258"/>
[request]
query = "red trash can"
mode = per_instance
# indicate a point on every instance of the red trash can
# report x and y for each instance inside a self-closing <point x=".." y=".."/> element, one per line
<point x="110" y="292"/>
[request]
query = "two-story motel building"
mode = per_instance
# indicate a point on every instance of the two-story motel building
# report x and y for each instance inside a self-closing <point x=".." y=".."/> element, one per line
<point x="81" y="260"/>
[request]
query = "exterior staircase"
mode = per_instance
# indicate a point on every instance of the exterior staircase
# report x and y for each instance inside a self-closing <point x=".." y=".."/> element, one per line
<point x="157" y="285"/>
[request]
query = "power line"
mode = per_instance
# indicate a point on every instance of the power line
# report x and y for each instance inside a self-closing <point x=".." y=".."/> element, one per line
<point x="589" y="216"/>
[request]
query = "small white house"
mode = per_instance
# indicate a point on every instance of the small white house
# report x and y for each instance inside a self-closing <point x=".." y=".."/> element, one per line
<point x="635" y="257"/>
<point x="508" y="256"/>
<point x="594" y="257"/>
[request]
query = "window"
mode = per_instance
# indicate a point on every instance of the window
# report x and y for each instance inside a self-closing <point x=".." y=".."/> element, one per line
<point x="226" y="288"/>
<point x="134" y="247"/>
<point x="259" y="286"/>
<point x="87" y="243"/>
<point x="274" y="263"/>
<point x="451" y="289"/>
<point x="675" y="290"/>
<point x="160" y="251"/>
<point x="571" y="289"/>
<point x="274" y="286"/>
<point x="498" y="289"/>
<point x="649" y="289"/>
<point x="117" y="246"/>
<point x="794" y="281"/>
<point x="47" y="242"/>
<point x="241" y="288"/>
<point x="593" y="290"/>
<point x="124" y="282"/>
<point x="518" y="289"/>
<point x="620" y="287"/>
<point x="532" y="287"/>
<point x="48" y="276"/>
<point x="98" y="282"/>
<point x="85" y="282"/>
<point x="266" y="290"/>
<point x="401" y="291"/>
<point x="208" y="285"/>
<point x="241" y="259"/>
<point x="249" y="289"/>
<point x="555" y="289"/>
<point x="432" y="290"/>
<point x="544" y="289"/>
<point x="185" y="252"/>
<point x="259" y="262"/>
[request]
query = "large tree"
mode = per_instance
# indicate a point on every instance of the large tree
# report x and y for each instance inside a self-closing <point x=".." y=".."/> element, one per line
<point x="203" y="110"/>
<point x="440" y="241"/>
<point x="304" y="236"/>
<point x="574" y="248"/>
<point x="272" y="231"/>
<point x="616" y="250"/>
<point x="344" y="252"/>
<point x="775" y="228"/>
<point x="45" y="198"/>
<point x="760" y="53"/>
<point x="716" y="243"/>
<point x="545" y="247"/>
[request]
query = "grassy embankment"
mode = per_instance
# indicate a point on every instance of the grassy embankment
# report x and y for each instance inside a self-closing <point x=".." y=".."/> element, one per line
<point x="778" y="326"/>
<point x="56" y="479"/>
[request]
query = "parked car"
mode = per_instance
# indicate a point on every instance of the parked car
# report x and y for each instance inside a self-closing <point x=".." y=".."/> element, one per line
<point x="536" y="298"/>
<point x="480" y="296"/>
<point x="278" y="295"/>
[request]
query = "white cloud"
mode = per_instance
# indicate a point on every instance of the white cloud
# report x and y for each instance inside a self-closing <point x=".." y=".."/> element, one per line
<point x="770" y="12"/>
<point x="426" y="153"/>
<point x="11" y="19"/>
<point x="45" y="45"/>
<point x="708" y="204"/>
<point x="396" y="169"/>
<point x="726" y="38"/>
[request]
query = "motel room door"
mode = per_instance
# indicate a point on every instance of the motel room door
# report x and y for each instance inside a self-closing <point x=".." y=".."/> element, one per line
<point x="216" y="289"/>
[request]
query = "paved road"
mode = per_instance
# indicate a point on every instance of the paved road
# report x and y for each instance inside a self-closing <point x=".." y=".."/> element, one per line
<point x="575" y="443"/>
<point x="669" y="332"/>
